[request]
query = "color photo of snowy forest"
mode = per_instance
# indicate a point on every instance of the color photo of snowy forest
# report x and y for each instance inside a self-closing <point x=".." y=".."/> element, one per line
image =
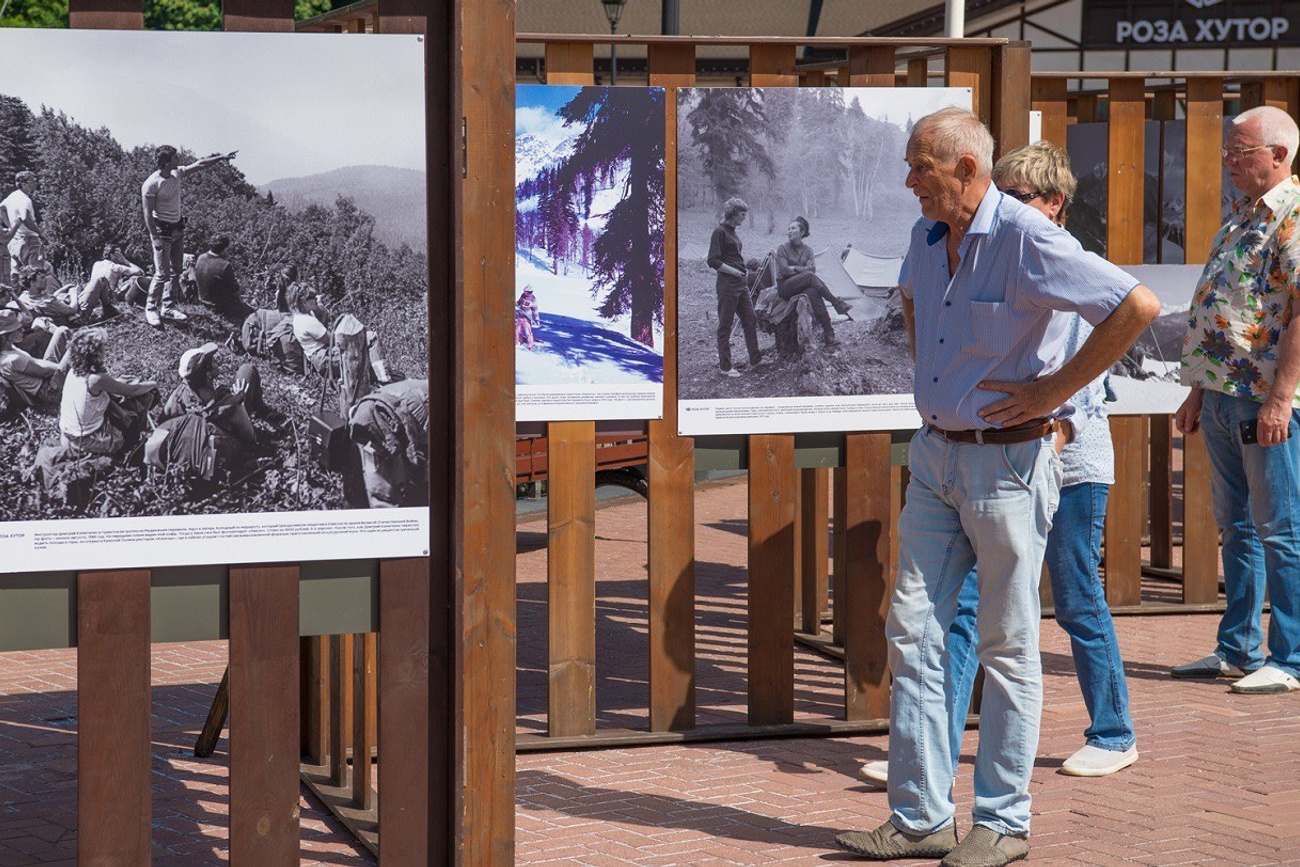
<point x="589" y="257"/>
<point x="832" y="157"/>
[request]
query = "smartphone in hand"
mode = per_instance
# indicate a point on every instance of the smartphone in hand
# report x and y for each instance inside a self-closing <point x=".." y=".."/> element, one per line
<point x="1250" y="432"/>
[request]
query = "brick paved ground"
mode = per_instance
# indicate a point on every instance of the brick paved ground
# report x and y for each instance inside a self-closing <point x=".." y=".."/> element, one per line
<point x="1218" y="782"/>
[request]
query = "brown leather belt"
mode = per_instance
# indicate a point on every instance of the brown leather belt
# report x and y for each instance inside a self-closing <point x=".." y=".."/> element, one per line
<point x="1000" y="436"/>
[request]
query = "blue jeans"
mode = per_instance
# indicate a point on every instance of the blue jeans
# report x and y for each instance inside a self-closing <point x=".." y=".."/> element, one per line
<point x="964" y="498"/>
<point x="1256" y="492"/>
<point x="168" y="261"/>
<point x="1073" y="554"/>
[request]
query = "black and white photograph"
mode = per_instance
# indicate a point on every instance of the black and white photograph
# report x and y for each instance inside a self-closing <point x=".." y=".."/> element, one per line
<point x="793" y="217"/>
<point x="1145" y="380"/>
<point x="213" y="333"/>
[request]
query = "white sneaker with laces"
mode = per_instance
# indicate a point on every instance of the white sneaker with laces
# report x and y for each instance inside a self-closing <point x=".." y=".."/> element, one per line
<point x="1265" y="681"/>
<point x="1096" y="762"/>
<point x="152" y="317"/>
<point x="875" y="772"/>
<point x="175" y="315"/>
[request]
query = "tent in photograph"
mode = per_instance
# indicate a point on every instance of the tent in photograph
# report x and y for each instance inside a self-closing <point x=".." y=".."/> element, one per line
<point x="876" y="276"/>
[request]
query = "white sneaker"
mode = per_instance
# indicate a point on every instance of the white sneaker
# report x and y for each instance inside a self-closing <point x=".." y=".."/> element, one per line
<point x="1265" y="681"/>
<point x="152" y="317"/>
<point x="175" y="315"/>
<point x="730" y="371"/>
<point x="875" y="772"/>
<point x="1097" y="762"/>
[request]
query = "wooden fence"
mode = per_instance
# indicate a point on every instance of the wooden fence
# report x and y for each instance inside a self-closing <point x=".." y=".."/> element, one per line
<point x="444" y="658"/>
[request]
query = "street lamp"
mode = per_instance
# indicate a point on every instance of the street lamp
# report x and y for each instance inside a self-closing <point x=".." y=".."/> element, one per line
<point x="613" y="11"/>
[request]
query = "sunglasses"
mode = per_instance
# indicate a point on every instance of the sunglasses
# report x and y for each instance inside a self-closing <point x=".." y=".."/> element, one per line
<point x="1025" y="198"/>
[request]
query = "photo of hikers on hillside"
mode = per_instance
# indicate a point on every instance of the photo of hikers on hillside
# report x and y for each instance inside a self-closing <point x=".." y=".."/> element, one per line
<point x="213" y="289"/>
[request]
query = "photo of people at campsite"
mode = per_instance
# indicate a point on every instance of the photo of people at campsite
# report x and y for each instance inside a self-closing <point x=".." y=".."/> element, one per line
<point x="199" y="314"/>
<point x="793" y="219"/>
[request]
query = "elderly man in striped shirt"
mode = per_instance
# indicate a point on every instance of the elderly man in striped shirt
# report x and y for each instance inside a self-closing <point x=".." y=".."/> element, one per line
<point x="983" y="283"/>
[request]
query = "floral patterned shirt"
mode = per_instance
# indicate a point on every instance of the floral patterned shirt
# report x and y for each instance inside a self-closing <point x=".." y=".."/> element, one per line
<point x="1243" y="300"/>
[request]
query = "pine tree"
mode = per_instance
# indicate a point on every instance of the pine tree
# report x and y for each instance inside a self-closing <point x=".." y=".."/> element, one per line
<point x="625" y="126"/>
<point x="727" y="124"/>
<point x="18" y="148"/>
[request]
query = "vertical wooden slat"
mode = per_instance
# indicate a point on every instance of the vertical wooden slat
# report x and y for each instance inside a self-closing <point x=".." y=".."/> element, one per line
<point x="480" y="301"/>
<point x="1266" y="91"/>
<point x="340" y="708"/>
<point x="918" y="72"/>
<point x="267" y="16"/>
<point x="1126" y="127"/>
<point x="1200" y="531"/>
<point x="671" y="515"/>
<point x="869" y="582"/>
<point x="772" y="504"/>
<point x="571" y="579"/>
<point x="973" y="68"/>
<point x="264" y="733"/>
<point x="840" y="554"/>
<point x="1049" y="97"/>
<point x="1204" y="176"/>
<point x="404" y="718"/>
<point x="106" y="14"/>
<point x="1086" y="107"/>
<point x="363" y="717"/>
<point x="1203" y="212"/>
<point x="812" y="78"/>
<point x="796" y="575"/>
<point x="771" y="592"/>
<point x="571" y="506"/>
<point x="314" y="697"/>
<point x="1162" y="491"/>
<point x="1010" y="98"/>
<point x="814" y="504"/>
<point x="1124" y="514"/>
<point x="871" y="66"/>
<point x="113" y="709"/>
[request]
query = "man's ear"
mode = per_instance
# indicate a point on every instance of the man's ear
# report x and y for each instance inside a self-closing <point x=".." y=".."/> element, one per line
<point x="967" y="169"/>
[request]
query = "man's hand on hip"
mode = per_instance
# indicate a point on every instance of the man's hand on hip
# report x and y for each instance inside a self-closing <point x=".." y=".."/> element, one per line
<point x="1025" y="401"/>
<point x="1274" y="419"/>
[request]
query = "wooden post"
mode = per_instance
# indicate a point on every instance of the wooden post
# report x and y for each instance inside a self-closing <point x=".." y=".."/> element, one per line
<point x="840" y="554"/>
<point x="1162" y="491"/>
<point x="814" y="502"/>
<point x="264" y="734"/>
<point x="314" y="692"/>
<point x="918" y="72"/>
<point x="671" y="514"/>
<point x="364" y="650"/>
<point x="772" y="504"/>
<point x="1010" y="97"/>
<point x="1124" y="514"/>
<point x="973" y="68"/>
<point x="869" y="583"/>
<point x="1049" y="97"/>
<point x="871" y="66"/>
<point x="571" y="506"/>
<point x="113" y="710"/>
<point x="1203" y="209"/>
<point x="340" y="739"/>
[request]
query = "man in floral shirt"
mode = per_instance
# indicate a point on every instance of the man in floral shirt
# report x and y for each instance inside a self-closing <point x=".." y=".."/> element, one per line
<point x="1242" y="361"/>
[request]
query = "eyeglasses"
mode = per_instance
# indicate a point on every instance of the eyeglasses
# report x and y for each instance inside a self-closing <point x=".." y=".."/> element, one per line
<point x="1236" y="154"/>
<point x="1026" y="197"/>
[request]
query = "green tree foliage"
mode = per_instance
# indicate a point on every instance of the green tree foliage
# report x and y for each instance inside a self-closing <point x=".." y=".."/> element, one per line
<point x="18" y="150"/>
<point x="90" y="196"/>
<point x="158" y="14"/>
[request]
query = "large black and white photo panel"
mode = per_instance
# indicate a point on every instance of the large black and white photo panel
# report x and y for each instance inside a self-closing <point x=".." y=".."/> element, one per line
<point x="793" y="217"/>
<point x="214" y="322"/>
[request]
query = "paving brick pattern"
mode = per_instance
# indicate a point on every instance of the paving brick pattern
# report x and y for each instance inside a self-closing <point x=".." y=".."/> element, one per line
<point x="1218" y="782"/>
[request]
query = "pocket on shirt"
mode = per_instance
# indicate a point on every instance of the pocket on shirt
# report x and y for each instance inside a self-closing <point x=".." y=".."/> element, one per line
<point x="987" y="323"/>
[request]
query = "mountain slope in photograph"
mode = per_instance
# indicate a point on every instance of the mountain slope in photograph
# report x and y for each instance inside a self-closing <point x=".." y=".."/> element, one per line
<point x="394" y="197"/>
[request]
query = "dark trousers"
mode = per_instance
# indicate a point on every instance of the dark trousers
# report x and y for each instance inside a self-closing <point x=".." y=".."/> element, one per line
<point x="733" y="302"/>
<point x="809" y="284"/>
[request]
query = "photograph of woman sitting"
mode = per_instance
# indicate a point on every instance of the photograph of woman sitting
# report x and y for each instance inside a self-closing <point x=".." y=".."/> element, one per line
<point x="796" y="274"/>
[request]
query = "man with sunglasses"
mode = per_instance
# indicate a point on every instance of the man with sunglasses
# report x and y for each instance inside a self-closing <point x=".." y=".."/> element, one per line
<point x="1242" y="361"/>
<point x="984" y="283"/>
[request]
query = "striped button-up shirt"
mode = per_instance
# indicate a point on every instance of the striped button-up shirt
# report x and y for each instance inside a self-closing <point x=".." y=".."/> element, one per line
<point x="997" y="317"/>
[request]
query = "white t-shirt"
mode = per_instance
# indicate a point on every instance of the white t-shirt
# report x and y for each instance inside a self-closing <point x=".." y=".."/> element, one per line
<point x="18" y="206"/>
<point x="310" y="333"/>
<point x="110" y="273"/>
<point x="165" y="194"/>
